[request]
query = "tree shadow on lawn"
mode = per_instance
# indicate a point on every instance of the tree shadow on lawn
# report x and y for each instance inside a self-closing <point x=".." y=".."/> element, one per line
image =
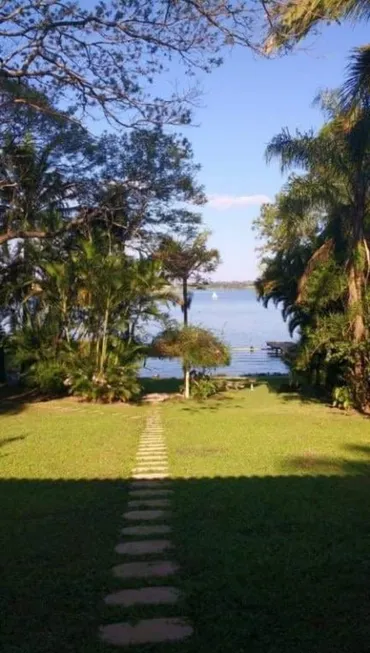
<point x="267" y="564"/>
<point x="6" y="442"/>
<point x="214" y="403"/>
<point x="14" y="399"/>
<point x="162" y="385"/>
<point x="312" y="463"/>
<point x="306" y="395"/>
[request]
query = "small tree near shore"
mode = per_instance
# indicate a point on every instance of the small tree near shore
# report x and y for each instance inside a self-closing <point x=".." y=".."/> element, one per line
<point x="197" y="347"/>
<point x="187" y="260"/>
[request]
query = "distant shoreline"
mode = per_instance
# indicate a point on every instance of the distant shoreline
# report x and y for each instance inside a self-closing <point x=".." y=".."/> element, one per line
<point x="227" y="285"/>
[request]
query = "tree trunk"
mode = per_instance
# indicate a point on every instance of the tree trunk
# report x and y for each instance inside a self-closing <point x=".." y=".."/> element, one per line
<point x="103" y="354"/>
<point x="186" y="383"/>
<point x="185" y="303"/>
<point x="185" y="300"/>
<point x="356" y="288"/>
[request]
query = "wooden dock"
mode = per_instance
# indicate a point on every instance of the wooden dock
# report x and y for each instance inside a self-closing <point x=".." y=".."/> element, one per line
<point x="279" y="348"/>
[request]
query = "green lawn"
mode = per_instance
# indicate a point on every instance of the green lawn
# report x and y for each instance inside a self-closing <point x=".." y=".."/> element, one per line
<point x="271" y="523"/>
<point x="63" y="467"/>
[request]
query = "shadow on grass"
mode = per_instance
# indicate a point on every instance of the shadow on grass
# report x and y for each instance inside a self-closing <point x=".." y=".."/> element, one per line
<point x="306" y="395"/>
<point x="267" y="564"/>
<point x="169" y="386"/>
<point x="312" y="463"/>
<point x="6" y="442"/>
<point x="14" y="399"/>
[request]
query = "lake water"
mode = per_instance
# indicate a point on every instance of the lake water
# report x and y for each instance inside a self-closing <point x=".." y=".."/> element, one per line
<point x="242" y="322"/>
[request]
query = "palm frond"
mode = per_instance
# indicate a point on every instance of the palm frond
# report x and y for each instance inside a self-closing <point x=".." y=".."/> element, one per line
<point x="292" y="151"/>
<point x="321" y="255"/>
<point x="356" y="89"/>
<point x="291" y="21"/>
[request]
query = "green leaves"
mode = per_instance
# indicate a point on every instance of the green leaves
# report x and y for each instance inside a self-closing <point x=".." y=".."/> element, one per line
<point x="197" y="347"/>
<point x="316" y="261"/>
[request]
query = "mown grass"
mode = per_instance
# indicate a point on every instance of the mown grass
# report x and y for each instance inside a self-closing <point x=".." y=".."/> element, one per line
<point x="63" y="467"/>
<point x="271" y="522"/>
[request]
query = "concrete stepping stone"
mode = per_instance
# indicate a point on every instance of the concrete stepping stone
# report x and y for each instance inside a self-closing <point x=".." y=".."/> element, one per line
<point x="162" y="469"/>
<point x="150" y="485"/>
<point x="152" y="443"/>
<point x="144" y="596"/>
<point x="149" y="503"/>
<point x="149" y="477"/>
<point x="149" y="443"/>
<point x="143" y="547"/>
<point x="155" y="529"/>
<point x="152" y="436"/>
<point x="148" y="631"/>
<point x="152" y="465"/>
<point x="151" y="468"/>
<point x="153" y="569"/>
<point x="149" y="493"/>
<point x="142" y="460"/>
<point x="145" y="515"/>
<point x="152" y="454"/>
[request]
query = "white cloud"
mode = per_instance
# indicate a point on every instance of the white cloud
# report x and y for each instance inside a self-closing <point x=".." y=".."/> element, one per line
<point x="223" y="202"/>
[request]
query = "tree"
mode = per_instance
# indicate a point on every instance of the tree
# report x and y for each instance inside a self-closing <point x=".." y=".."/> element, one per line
<point x="127" y="183"/>
<point x="334" y="193"/>
<point x="109" y="57"/>
<point x="143" y="178"/>
<point x="186" y="260"/>
<point x="79" y="220"/>
<point x="195" y="346"/>
<point x="290" y="22"/>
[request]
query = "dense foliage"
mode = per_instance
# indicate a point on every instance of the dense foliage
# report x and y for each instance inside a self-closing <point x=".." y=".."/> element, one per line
<point x="81" y="222"/>
<point x="200" y="351"/>
<point x="290" y="22"/>
<point x="316" y="259"/>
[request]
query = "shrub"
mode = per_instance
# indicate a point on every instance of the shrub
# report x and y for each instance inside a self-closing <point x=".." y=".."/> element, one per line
<point x="197" y="347"/>
<point x="342" y="397"/>
<point x="202" y="386"/>
<point x="116" y="383"/>
<point x="47" y="376"/>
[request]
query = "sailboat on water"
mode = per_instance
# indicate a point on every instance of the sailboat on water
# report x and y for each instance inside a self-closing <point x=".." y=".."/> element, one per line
<point x="214" y="296"/>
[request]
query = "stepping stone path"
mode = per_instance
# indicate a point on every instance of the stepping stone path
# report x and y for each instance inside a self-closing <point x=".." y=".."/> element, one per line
<point x="147" y="516"/>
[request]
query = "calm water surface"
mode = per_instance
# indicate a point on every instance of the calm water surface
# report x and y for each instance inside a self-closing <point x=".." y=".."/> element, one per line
<point x="242" y="322"/>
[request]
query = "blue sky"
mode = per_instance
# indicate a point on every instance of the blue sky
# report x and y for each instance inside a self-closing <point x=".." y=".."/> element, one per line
<point x="246" y="102"/>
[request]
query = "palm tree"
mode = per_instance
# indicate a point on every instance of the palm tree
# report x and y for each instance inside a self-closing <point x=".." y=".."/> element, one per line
<point x="290" y="22"/>
<point x="356" y="89"/>
<point x="185" y="260"/>
<point x="336" y="163"/>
